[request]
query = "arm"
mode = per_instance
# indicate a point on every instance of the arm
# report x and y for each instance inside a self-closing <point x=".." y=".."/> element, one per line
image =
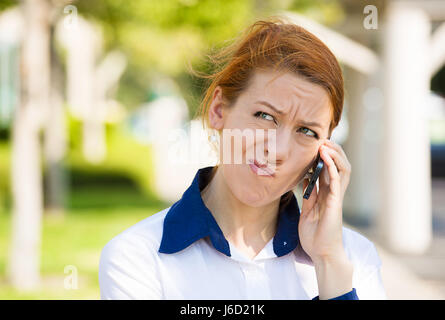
<point x="368" y="280"/>
<point x="334" y="277"/>
<point x="320" y="225"/>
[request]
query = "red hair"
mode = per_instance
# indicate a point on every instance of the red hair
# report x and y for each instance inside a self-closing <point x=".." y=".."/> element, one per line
<point x="281" y="46"/>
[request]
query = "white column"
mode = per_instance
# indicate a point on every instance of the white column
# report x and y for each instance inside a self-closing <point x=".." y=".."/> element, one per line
<point x="405" y="212"/>
<point x="364" y="102"/>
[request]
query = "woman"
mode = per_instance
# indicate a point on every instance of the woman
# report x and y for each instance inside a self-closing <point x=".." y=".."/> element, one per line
<point x="237" y="232"/>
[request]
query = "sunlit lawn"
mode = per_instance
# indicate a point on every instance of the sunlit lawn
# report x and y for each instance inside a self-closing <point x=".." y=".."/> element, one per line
<point x="103" y="201"/>
<point x="94" y="217"/>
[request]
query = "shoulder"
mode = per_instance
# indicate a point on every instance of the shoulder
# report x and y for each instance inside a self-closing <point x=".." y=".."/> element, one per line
<point x="140" y="241"/>
<point x="360" y="249"/>
<point x="128" y="266"/>
<point x="147" y="232"/>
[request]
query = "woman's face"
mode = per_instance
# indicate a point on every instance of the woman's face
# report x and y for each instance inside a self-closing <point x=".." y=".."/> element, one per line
<point x="282" y="105"/>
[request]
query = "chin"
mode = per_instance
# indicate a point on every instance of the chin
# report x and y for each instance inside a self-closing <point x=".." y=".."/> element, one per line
<point x="245" y="185"/>
<point x="253" y="200"/>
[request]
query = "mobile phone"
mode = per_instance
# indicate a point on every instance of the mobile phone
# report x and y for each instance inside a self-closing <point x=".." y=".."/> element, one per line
<point x="319" y="163"/>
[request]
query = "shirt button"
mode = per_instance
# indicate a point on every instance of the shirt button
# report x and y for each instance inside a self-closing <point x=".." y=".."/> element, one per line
<point x="251" y="270"/>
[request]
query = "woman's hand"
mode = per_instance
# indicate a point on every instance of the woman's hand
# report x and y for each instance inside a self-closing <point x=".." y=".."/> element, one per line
<point x="320" y="226"/>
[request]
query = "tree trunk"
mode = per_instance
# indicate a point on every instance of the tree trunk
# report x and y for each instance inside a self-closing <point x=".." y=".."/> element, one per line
<point x="55" y="142"/>
<point x="23" y="269"/>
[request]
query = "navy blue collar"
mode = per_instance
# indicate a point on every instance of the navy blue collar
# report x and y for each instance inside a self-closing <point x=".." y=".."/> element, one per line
<point x="189" y="220"/>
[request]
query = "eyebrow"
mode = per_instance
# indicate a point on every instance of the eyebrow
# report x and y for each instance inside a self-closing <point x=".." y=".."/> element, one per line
<point x="303" y="122"/>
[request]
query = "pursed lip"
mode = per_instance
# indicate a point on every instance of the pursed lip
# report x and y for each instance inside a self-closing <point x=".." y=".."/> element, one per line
<point x="263" y="167"/>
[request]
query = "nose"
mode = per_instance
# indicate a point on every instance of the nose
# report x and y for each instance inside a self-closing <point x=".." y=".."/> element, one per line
<point x="278" y="146"/>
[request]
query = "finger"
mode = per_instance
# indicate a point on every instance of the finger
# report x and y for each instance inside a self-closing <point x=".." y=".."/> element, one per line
<point x="324" y="178"/>
<point x="334" y="177"/>
<point x="340" y="161"/>
<point x="340" y="151"/>
<point x="308" y="204"/>
<point x="343" y="172"/>
<point x="342" y="167"/>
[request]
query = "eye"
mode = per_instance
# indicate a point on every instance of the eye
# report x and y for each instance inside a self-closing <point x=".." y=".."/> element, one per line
<point x="263" y="115"/>
<point x="314" y="134"/>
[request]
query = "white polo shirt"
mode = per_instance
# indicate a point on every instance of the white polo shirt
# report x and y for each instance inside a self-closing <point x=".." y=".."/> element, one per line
<point x="181" y="253"/>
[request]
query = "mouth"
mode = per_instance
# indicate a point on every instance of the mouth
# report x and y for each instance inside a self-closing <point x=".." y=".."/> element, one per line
<point x="261" y="169"/>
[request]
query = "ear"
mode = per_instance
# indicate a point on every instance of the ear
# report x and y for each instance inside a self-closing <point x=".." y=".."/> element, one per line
<point x="216" y="110"/>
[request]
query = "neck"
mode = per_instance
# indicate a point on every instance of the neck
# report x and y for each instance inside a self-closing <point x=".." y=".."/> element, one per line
<point x="241" y="224"/>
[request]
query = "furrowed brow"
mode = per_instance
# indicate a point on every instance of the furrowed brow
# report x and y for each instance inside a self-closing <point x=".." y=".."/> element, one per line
<point x="306" y="123"/>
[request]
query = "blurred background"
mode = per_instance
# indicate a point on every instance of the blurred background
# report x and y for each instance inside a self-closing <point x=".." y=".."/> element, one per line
<point x="97" y="131"/>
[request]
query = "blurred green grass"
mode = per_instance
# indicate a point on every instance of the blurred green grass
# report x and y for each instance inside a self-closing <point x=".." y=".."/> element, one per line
<point x="77" y="239"/>
<point x="103" y="200"/>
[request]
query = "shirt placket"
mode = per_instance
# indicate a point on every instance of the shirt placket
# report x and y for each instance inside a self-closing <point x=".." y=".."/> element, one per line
<point x="257" y="286"/>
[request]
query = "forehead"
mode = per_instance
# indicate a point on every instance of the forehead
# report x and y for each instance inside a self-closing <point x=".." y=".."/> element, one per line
<point x="291" y="94"/>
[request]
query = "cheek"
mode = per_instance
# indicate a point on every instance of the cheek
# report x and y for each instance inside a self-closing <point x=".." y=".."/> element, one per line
<point x="306" y="148"/>
<point x="306" y="145"/>
<point x="302" y="162"/>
